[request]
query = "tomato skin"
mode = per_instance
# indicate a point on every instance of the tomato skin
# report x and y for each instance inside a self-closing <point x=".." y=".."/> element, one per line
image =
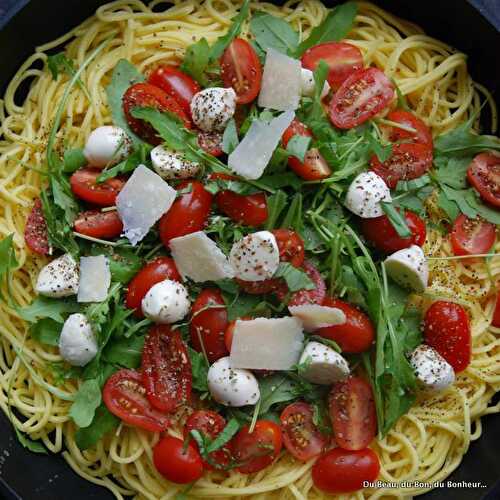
<point x="176" y="464"/>
<point x="342" y="471"/>
<point x="84" y="186"/>
<point x="35" y="232"/>
<point x="250" y="210"/>
<point x="290" y="245"/>
<point x="356" y="335"/>
<point x="471" y="236"/>
<point x="484" y="175"/>
<point x="447" y="329"/>
<point x="352" y="410"/>
<point x="166" y="369"/>
<point x="381" y="233"/>
<point x="253" y="449"/>
<point x="342" y="58"/>
<point x="262" y="287"/>
<point x="145" y="95"/>
<point x="408" y="161"/>
<point x="301" y="437"/>
<point x="496" y="315"/>
<point x="176" y="84"/>
<point x="210" y="424"/>
<point x="159" y="269"/>
<point x="422" y="135"/>
<point x="125" y="396"/>
<point x="99" y="224"/>
<point x="211" y="143"/>
<point x="188" y="213"/>
<point x="315" y="296"/>
<point x="209" y="325"/>
<point x="363" y="94"/>
<point x="241" y="70"/>
<point x="314" y="166"/>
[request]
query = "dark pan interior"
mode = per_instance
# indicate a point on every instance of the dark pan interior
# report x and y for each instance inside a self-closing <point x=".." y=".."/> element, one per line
<point x="455" y="21"/>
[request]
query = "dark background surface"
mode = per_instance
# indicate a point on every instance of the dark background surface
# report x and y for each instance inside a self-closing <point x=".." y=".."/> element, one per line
<point x="35" y="477"/>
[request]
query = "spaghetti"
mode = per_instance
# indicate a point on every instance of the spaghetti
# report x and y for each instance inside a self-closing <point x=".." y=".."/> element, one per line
<point x="426" y="444"/>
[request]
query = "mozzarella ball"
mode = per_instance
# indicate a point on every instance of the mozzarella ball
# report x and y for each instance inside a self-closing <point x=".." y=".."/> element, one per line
<point x="77" y="343"/>
<point x="166" y="302"/>
<point x="365" y="193"/>
<point x="232" y="386"/>
<point x="431" y="369"/>
<point x="323" y="365"/>
<point x="409" y="268"/>
<point x="106" y="146"/>
<point x="59" y="278"/>
<point x="170" y="165"/>
<point x="212" y="108"/>
<point x="307" y="85"/>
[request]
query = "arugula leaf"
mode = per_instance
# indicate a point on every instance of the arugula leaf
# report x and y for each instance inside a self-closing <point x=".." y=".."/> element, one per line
<point x="29" y="444"/>
<point x="490" y="214"/>
<point x="383" y="152"/>
<point x="452" y="171"/>
<point x="459" y="197"/>
<point x="196" y="61"/>
<point x="73" y="160"/>
<point x="230" y="137"/>
<point x="295" y="278"/>
<point x="88" y="398"/>
<point x="231" y="428"/>
<point x="138" y="157"/>
<point x="8" y="261"/>
<point x="58" y="63"/>
<point x="124" y="75"/>
<point x="449" y="207"/>
<point x="199" y="368"/>
<point x="44" y="307"/>
<point x="397" y="221"/>
<point x="125" y="352"/>
<point x="273" y="32"/>
<point x="104" y="421"/>
<point x="337" y="24"/>
<point x="319" y="74"/>
<point x="46" y="331"/>
<point x="277" y="388"/>
<point x="298" y="145"/>
<point x="276" y="203"/>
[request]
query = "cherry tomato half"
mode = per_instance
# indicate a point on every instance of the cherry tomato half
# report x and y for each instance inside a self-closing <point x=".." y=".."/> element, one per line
<point x="35" y="232"/>
<point x="250" y="210"/>
<point x="484" y="174"/>
<point x="363" y="94"/>
<point x="178" y="463"/>
<point x="85" y="186"/>
<point x="381" y="233"/>
<point x="125" y="396"/>
<point x="290" y="245"/>
<point x="447" y="329"/>
<point x="188" y="213"/>
<point x="241" y="70"/>
<point x="211" y="143"/>
<point x="145" y="95"/>
<point x="342" y="59"/>
<point x="255" y="451"/>
<point x="496" y="315"/>
<point x="159" y="269"/>
<point x="342" y="471"/>
<point x="99" y="224"/>
<point x="301" y="437"/>
<point x="176" y="84"/>
<point x="209" y="323"/>
<point x="166" y="369"/>
<point x="356" y="334"/>
<point x="472" y="236"/>
<point x="422" y="134"/>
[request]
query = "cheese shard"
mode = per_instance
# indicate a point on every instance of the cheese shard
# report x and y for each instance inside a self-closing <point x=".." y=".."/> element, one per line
<point x="142" y="201"/>
<point x="251" y="156"/>
<point x="314" y="316"/>
<point x="95" y="278"/>
<point x="267" y="343"/>
<point x="198" y="257"/>
<point x="281" y="82"/>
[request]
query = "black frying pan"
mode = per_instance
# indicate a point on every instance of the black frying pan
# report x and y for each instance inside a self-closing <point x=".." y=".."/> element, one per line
<point x="32" y="477"/>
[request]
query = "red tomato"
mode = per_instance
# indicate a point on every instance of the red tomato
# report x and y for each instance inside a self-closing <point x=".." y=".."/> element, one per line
<point x="381" y="233"/>
<point x="178" y="463"/>
<point x="125" y="396"/>
<point x="211" y="143"/>
<point x="99" y="224"/>
<point x="210" y="424"/>
<point x="166" y="368"/>
<point x="341" y="471"/>
<point x="363" y="94"/>
<point x="209" y="323"/>
<point x="161" y="268"/>
<point x="188" y="213"/>
<point x="35" y="232"/>
<point x="228" y="334"/>
<point x="85" y="186"/>
<point x="145" y="95"/>
<point x="447" y="329"/>
<point x="352" y="410"/>
<point x="422" y="135"/>
<point x="471" y="236"/>
<point x="408" y="161"/>
<point x="250" y="210"/>
<point x="315" y="296"/>
<point x="290" y="245"/>
<point x="301" y="437"/>
<point x="356" y="334"/>
<point x="484" y="174"/>
<point x="262" y="287"/>
<point x="256" y="450"/>
<point x="176" y="84"/>
<point x="342" y="58"/>
<point x="496" y="315"/>
<point x="314" y="166"/>
<point x="241" y="70"/>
